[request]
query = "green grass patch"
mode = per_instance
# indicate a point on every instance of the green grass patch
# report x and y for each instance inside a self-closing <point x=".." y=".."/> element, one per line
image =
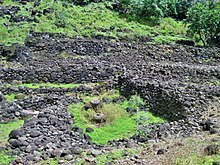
<point x="167" y="39"/>
<point x="193" y="152"/>
<point x="53" y="161"/>
<point x="122" y="127"/>
<point x="9" y="3"/>
<point x="198" y="160"/>
<point x="5" y="158"/>
<point x="6" y="128"/>
<point x="50" y="85"/>
<point x="10" y="97"/>
<point x="114" y="155"/>
<point x="119" y="122"/>
<point x="213" y="83"/>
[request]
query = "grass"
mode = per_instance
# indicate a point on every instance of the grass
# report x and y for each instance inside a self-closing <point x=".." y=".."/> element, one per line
<point x="123" y="127"/>
<point x="114" y="155"/>
<point x="213" y="83"/>
<point x="9" y="3"/>
<point x="10" y="97"/>
<point x="192" y="151"/>
<point x="5" y="158"/>
<point x="93" y="20"/>
<point x="6" y="128"/>
<point x="50" y="85"/>
<point x="119" y="122"/>
<point x="53" y="161"/>
<point x="196" y="159"/>
<point x="107" y="94"/>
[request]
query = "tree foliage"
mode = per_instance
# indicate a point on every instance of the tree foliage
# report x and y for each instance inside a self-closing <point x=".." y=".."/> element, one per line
<point x="204" y="19"/>
<point x="156" y="8"/>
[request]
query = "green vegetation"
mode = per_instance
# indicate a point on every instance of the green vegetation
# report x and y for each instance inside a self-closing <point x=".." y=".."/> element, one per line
<point x="119" y="123"/>
<point x="9" y="2"/>
<point x="120" y="128"/>
<point x="50" y="85"/>
<point x="129" y="20"/>
<point x="192" y="152"/>
<point x="155" y="9"/>
<point x="6" y="128"/>
<point x="198" y="159"/>
<point x="213" y="82"/>
<point x="53" y="161"/>
<point x="92" y="20"/>
<point x="5" y="158"/>
<point x="10" y="97"/>
<point x="204" y="22"/>
<point x="114" y="155"/>
<point x="111" y="94"/>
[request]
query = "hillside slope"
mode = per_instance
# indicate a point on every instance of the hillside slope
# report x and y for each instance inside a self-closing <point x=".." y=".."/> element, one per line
<point x="95" y="20"/>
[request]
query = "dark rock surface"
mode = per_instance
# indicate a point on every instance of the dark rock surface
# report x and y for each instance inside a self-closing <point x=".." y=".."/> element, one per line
<point x="178" y="83"/>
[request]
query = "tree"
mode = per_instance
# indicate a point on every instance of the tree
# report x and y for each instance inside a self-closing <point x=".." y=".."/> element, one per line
<point x="204" y="20"/>
<point x="156" y="8"/>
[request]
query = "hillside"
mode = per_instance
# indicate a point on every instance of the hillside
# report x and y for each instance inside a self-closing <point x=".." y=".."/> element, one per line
<point x="96" y="20"/>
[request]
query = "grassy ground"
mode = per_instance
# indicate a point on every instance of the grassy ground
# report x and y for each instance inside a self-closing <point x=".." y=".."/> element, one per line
<point x="119" y="123"/>
<point x="10" y="97"/>
<point x="5" y="158"/>
<point x="93" y="20"/>
<point x="50" y="85"/>
<point x="6" y="128"/>
<point x="50" y="161"/>
<point x="192" y="152"/>
<point x="114" y="155"/>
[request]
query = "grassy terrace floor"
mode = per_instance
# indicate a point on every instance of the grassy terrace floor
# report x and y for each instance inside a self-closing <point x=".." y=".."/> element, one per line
<point x="119" y="123"/>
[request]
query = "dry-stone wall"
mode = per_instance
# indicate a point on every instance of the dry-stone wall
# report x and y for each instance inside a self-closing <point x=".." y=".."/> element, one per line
<point x="178" y="82"/>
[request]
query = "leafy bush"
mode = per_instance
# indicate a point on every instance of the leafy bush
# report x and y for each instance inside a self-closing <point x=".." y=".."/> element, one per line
<point x="204" y="22"/>
<point x="156" y="8"/>
<point x="178" y="8"/>
<point x="81" y="2"/>
<point x="61" y="17"/>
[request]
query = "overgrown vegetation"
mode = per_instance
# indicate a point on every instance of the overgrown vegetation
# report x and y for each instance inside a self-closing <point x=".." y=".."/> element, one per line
<point x="205" y="23"/>
<point x="145" y="20"/>
<point x="93" y="20"/>
<point x="119" y="123"/>
<point x="155" y="9"/>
